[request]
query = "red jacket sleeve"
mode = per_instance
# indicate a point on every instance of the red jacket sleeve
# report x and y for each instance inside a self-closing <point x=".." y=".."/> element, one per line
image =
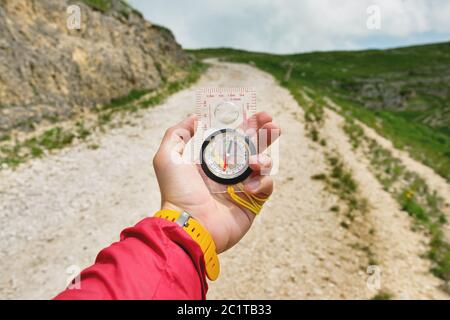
<point x="156" y="259"/>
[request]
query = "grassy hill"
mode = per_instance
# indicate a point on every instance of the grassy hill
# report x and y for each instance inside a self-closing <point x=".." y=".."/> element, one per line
<point x="403" y="93"/>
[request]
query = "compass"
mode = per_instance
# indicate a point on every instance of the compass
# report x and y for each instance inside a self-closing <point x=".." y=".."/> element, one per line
<point x="225" y="156"/>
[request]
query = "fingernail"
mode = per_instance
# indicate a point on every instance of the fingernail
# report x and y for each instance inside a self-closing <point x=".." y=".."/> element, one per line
<point x="264" y="160"/>
<point x="253" y="184"/>
<point x="253" y="159"/>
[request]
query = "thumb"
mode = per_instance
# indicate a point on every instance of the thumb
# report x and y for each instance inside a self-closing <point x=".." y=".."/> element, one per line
<point x="259" y="186"/>
<point x="178" y="135"/>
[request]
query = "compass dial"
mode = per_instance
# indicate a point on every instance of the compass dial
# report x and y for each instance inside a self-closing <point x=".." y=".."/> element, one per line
<point x="225" y="156"/>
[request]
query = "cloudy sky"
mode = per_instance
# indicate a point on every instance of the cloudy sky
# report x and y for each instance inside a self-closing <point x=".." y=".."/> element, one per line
<point x="286" y="26"/>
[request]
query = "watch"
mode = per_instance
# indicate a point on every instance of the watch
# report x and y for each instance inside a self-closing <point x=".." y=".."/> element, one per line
<point x="199" y="234"/>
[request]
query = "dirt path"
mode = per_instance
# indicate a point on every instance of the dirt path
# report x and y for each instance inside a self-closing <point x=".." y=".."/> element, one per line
<point x="433" y="180"/>
<point x="61" y="210"/>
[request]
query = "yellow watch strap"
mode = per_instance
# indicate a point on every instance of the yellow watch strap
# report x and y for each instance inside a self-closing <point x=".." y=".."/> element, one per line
<point x="200" y="235"/>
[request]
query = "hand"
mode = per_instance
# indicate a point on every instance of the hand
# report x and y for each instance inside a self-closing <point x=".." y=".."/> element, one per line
<point x="182" y="187"/>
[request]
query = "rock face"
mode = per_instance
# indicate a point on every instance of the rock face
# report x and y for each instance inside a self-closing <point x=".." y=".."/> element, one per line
<point x="47" y="70"/>
<point x="423" y="94"/>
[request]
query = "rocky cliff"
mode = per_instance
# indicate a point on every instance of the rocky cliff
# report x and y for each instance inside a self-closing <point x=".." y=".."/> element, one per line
<point x="48" y="71"/>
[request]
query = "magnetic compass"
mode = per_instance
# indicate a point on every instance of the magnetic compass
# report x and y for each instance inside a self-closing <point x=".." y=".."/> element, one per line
<point x="225" y="156"/>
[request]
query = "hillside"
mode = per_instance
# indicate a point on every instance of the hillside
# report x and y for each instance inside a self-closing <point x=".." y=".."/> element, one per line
<point x="49" y="72"/>
<point x="403" y="93"/>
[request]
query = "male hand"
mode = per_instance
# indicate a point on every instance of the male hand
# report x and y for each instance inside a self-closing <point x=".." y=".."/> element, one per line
<point x="182" y="187"/>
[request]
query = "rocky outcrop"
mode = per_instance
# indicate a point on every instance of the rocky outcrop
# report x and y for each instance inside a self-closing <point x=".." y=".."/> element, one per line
<point x="48" y="71"/>
<point x="425" y="93"/>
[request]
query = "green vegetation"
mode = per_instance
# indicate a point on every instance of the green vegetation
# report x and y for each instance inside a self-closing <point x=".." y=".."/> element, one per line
<point x="341" y="182"/>
<point x="105" y="5"/>
<point x="382" y="295"/>
<point x="55" y="138"/>
<point x="143" y="99"/>
<point x="81" y="131"/>
<point x="412" y="194"/>
<point x="13" y="153"/>
<point x="425" y="144"/>
<point x="320" y="176"/>
<point x="100" y="5"/>
<point x="314" y="114"/>
<point x="335" y="209"/>
<point x="354" y="132"/>
<point x="51" y="139"/>
<point x="339" y="179"/>
<point x="118" y="103"/>
<point x="402" y="93"/>
<point x="4" y="137"/>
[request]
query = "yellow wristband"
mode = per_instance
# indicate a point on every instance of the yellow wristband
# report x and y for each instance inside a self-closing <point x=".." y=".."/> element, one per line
<point x="253" y="203"/>
<point x="200" y="235"/>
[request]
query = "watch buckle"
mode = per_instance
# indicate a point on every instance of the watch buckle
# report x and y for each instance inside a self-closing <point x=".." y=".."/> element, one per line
<point x="183" y="219"/>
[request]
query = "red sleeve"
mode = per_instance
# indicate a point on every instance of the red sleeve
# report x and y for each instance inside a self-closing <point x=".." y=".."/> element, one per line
<point x="156" y="259"/>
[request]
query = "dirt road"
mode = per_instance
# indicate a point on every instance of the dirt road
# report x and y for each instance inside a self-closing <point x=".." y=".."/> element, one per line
<point x="59" y="211"/>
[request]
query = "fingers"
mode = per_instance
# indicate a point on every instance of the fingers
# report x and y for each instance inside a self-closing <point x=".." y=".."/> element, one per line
<point x="174" y="142"/>
<point x="178" y="135"/>
<point x="260" y="186"/>
<point x="184" y="130"/>
<point x="262" y="118"/>
<point x="268" y="131"/>
<point x="260" y="164"/>
<point x="188" y="124"/>
<point x="260" y="183"/>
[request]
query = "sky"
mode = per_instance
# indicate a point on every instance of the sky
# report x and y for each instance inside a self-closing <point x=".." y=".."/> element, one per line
<point x="288" y="26"/>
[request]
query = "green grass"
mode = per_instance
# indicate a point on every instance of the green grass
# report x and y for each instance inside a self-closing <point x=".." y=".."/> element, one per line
<point x="414" y="209"/>
<point x="81" y="131"/>
<point x="4" y="137"/>
<point x="118" y="103"/>
<point x="412" y="194"/>
<point x="340" y="181"/>
<point x="320" y="176"/>
<point x="335" y="208"/>
<point x="55" y="138"/>
<point x="105" y="5"/>
<point x="382" y="295"/>
<point x="418" y="72"/>
<point x="100" y="5"/>
<point x="354" y="132"/>
<point x="427" y="145"/>
<point x="143" y="99"/>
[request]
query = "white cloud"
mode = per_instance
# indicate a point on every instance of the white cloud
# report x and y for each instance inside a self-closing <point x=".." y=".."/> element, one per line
<point x="293" y="25"/>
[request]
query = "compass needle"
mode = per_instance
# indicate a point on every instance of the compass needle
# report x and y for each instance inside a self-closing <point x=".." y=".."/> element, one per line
<point x="232" y="144"/>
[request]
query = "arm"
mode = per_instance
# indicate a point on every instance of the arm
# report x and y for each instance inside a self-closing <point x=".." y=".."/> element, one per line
<point x="155" y="259"/>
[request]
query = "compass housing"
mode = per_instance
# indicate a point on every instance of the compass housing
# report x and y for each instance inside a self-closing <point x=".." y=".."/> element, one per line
<point x="249" y="146"/>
